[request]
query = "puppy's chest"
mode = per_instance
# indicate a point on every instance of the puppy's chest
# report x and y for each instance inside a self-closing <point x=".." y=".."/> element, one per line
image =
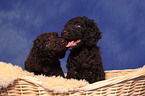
<point x="83" y="56"/>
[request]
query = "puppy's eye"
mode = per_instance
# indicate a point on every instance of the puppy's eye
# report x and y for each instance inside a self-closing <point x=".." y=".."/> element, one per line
<point x="78" y="26"/>
<point x="62" y="41"/>
<point x="47" y="44"/>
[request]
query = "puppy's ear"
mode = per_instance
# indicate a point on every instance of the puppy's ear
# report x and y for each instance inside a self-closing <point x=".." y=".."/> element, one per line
<point x="92" y="34"/>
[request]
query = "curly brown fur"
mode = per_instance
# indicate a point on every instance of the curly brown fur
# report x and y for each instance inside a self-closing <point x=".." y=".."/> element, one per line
<point x="45" y="53"/>
<point x="84" y="61"/>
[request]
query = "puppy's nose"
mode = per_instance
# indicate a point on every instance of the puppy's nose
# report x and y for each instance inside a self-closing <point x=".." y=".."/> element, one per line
<point x="64" y="32"/>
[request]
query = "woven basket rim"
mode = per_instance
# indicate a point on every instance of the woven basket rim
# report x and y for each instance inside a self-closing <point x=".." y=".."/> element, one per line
<point x="135" y="73"/>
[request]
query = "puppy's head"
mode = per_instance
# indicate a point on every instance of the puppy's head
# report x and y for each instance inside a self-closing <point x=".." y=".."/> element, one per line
<point x="50" y="44"/>
<point x="81" y="29"/>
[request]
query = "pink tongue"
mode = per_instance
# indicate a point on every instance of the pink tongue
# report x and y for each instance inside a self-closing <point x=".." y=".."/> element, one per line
<point x="69" y="44"/>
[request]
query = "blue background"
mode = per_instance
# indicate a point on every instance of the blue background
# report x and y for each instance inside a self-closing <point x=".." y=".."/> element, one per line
<point x="121" y="21"/>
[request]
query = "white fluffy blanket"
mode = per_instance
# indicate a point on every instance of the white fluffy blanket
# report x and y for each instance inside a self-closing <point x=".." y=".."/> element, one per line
<point x="9" y="73"/>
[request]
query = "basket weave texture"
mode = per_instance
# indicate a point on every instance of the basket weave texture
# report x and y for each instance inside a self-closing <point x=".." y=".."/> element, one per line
<point x="130" y="82"/>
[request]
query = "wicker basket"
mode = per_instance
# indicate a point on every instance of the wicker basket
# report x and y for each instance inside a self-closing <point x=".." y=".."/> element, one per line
<point x="129" y="82"/>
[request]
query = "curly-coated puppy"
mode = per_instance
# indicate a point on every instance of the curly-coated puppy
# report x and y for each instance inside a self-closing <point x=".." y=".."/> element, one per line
<point x="45" y="53"/>
<point x="84" y="61"/>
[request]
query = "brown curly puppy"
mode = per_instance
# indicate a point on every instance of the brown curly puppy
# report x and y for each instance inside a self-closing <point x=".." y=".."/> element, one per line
<point x="84" y="61"/>
<point x="45" y="53"/>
